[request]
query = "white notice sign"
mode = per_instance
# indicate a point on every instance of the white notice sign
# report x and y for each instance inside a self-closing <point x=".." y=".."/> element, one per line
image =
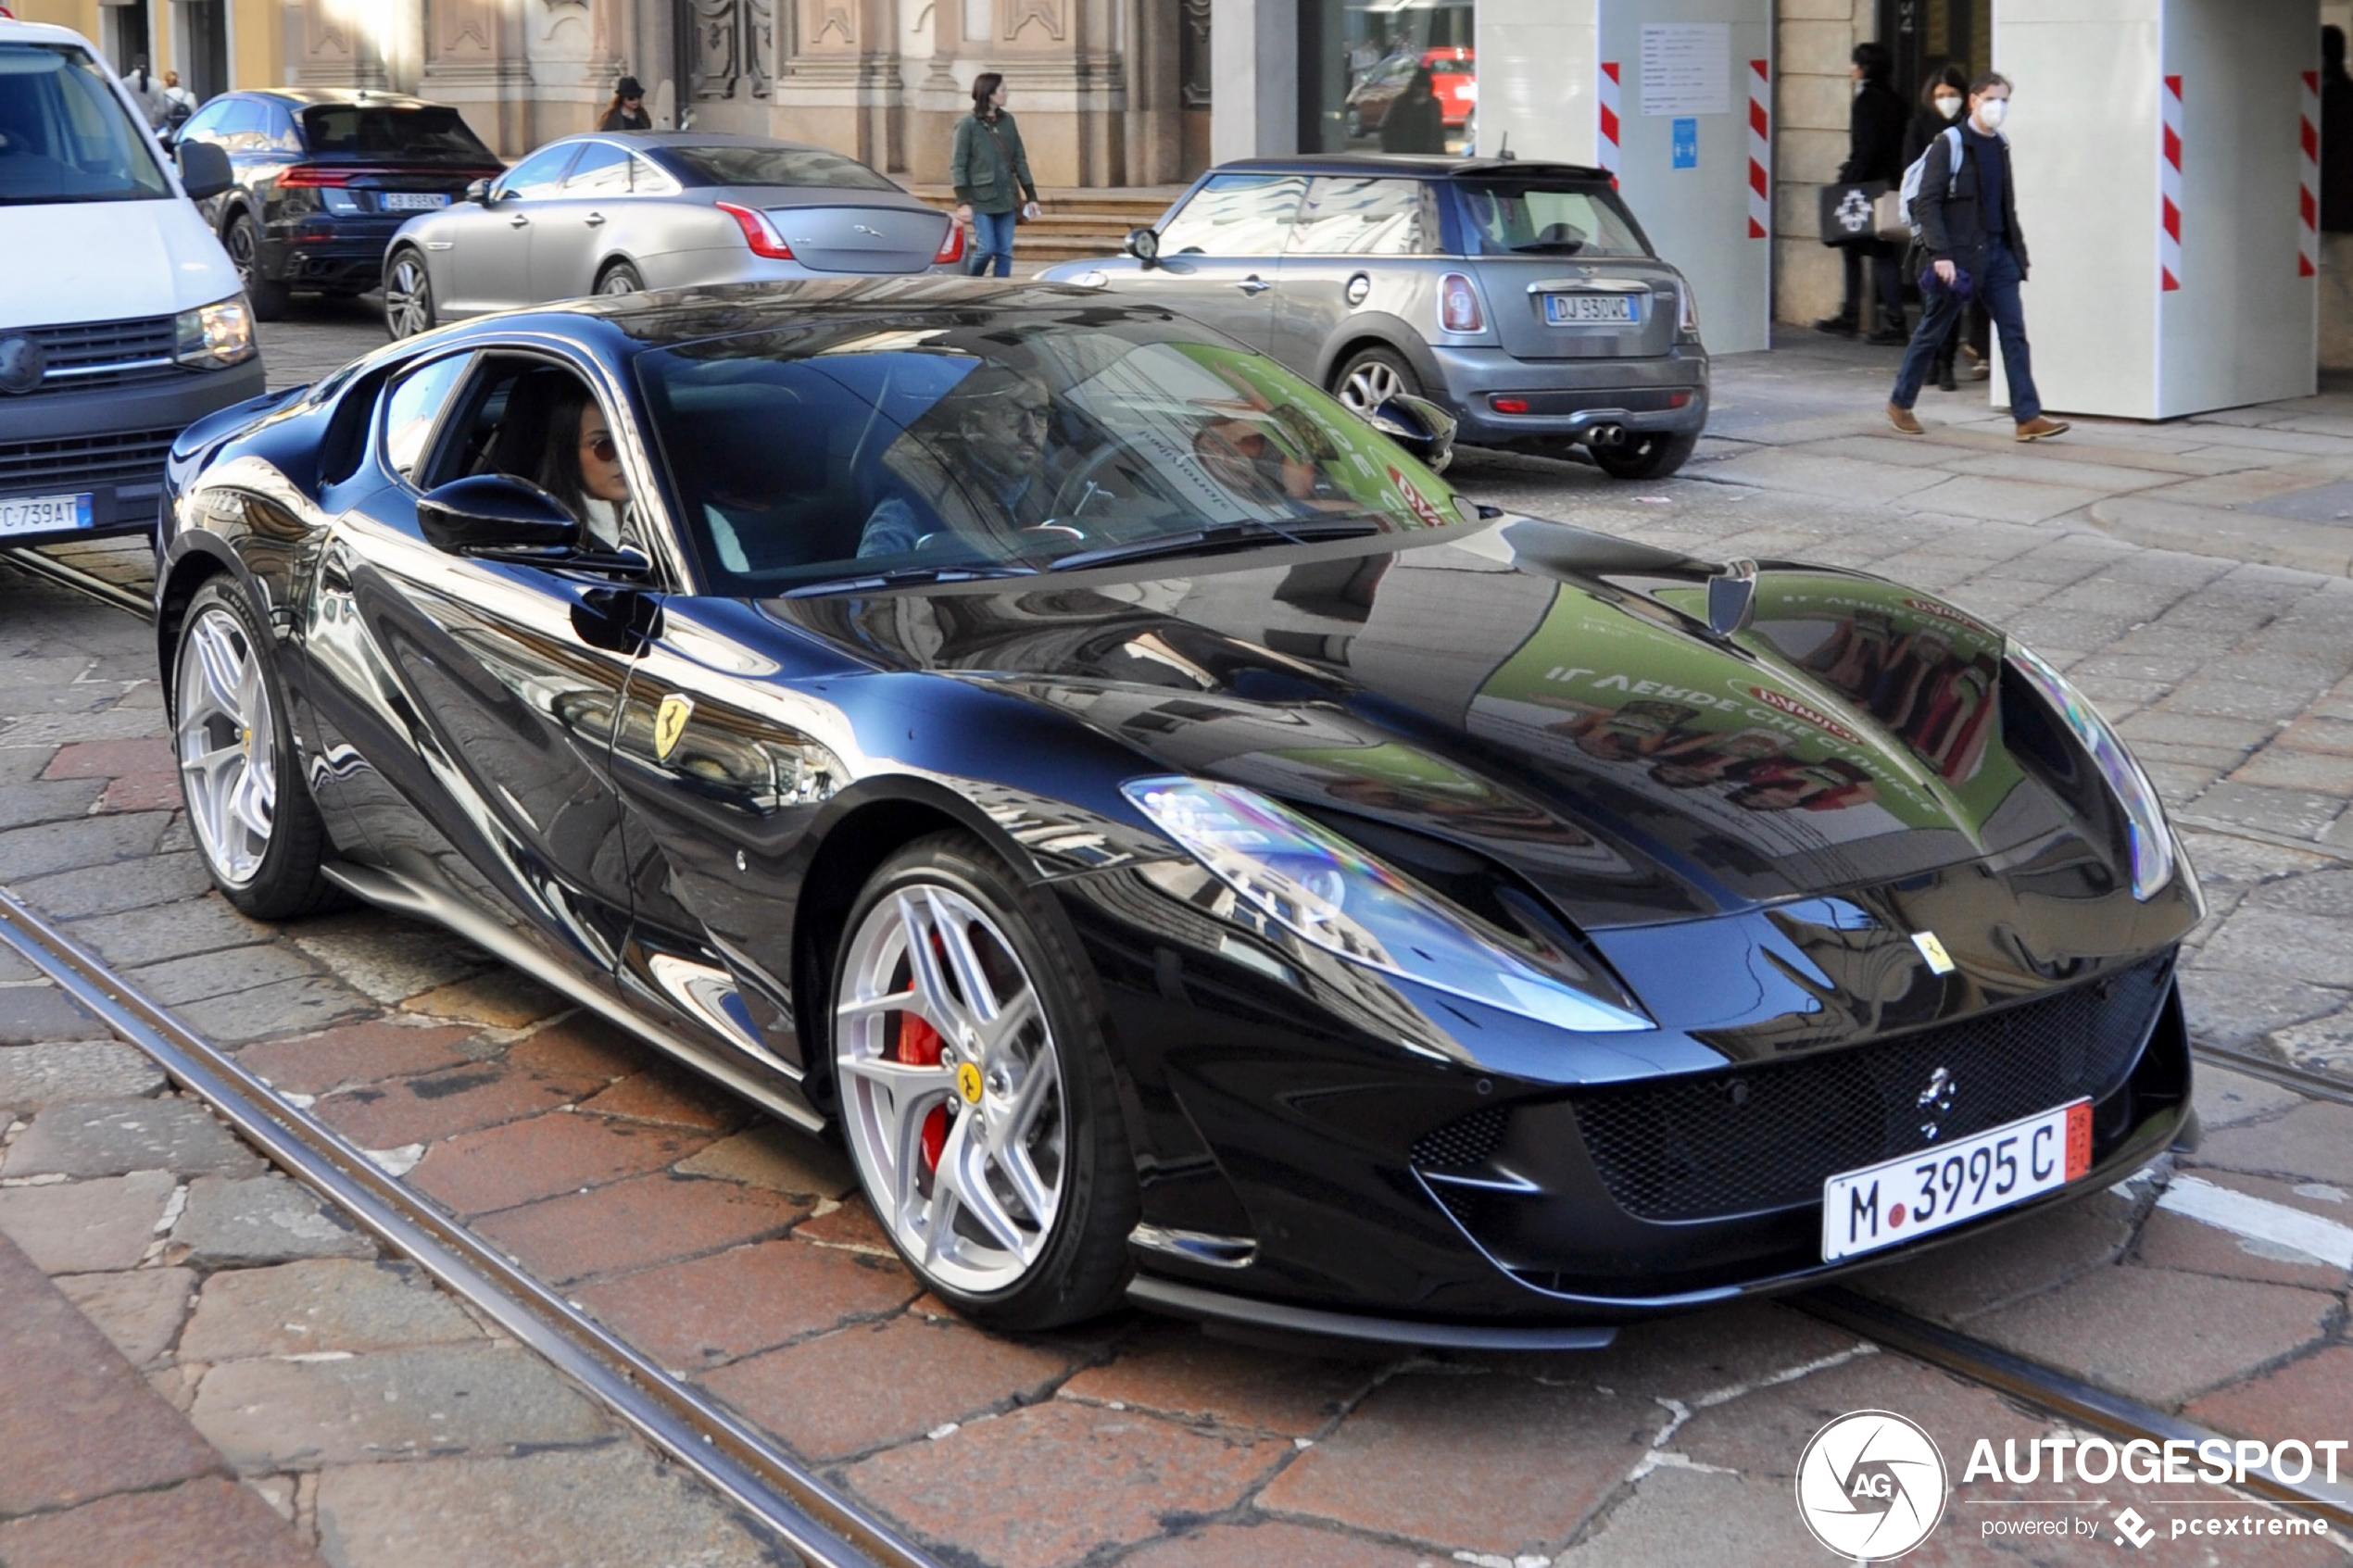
<point x="1686" y="68"/>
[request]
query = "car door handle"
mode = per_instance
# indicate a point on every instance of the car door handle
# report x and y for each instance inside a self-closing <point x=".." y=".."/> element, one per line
<point x="1253" y="284"/>
<point x="519" y="221"/>
<point x="593" y="219"/>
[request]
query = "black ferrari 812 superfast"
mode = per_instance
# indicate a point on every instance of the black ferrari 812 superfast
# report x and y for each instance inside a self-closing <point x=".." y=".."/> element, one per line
<point x="1186" y="852"/>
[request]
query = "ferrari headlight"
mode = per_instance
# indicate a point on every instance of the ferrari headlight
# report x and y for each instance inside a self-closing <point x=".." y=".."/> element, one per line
<point x="215" y="336"/>
<point x="1319" y="886"/>
<point x="2152" y="843"/>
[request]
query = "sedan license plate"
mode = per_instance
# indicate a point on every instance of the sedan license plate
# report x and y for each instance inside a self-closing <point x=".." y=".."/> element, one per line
<point x="1880" y="1205"/>
<point x="1579" y="309"/>
<point x="415" y="201"/>
<point x="44" y="514"/>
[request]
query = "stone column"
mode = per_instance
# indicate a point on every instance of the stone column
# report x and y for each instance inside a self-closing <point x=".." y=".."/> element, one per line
<point x="840" y="86"/>
<point x="1815" y="41"/>
<point x="1255" y="76"/>
<point x="475" y="62"/>
<point x="334" y="47"/>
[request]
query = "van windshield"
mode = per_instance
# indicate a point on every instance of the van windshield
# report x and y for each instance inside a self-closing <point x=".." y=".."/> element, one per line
<point x="65" y="135"/>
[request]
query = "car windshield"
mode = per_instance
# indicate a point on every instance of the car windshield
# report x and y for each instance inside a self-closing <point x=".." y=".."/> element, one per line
<point x="374" y="129"/>
<point x="1517" y="216"/>
<point x="854" y="450"/>
<point x="65" y="135"/>
<point x="811" y="167"/>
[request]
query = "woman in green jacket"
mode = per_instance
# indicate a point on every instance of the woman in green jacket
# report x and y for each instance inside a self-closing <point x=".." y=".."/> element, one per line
<point x="991" y="176"/>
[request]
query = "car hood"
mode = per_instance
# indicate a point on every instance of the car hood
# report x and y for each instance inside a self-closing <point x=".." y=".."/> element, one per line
<point x="131" y="258"/>
<point x="1548" y="697"/>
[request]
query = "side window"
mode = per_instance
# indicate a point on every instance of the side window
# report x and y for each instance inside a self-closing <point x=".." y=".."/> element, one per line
<point x="1236" y="215"/>
<point x="205" y="123"/>
<point x="648" y="180"/>
<point x="240" y="126"/>
<point x="539" y="422"/>
<point x="603" y="171"/>
<point x="1353" y="216"/>
<point x="415" y="402"/>
<point x="278" y="133"/>
<point x="541" y="175"/>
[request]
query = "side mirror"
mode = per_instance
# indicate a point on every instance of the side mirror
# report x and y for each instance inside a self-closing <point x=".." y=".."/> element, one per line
<point x="479" y="191"/>
<point x="1418" y="425"/>
<point x="495" y="514"/>
<point x="204" y="169"/>
<point x="1143" y="245"/>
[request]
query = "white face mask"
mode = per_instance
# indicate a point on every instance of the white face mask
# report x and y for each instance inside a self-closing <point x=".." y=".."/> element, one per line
<point x="1989" y="113"/>
<point x="1948" y="105"/>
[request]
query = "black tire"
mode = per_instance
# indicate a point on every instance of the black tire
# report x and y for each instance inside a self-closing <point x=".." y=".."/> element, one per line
<point x="408" y="306"/>
<point x="286" y="878"/>
<point x="1082" y="1267"/>
<point x="1371" y="376"/>
<point x="621" y="278"/>
<point x="243" y="241"/>
<point x="1649" y="457"/>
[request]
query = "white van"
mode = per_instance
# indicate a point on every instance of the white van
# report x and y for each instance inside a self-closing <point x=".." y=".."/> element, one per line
<point x="122" y="320"/>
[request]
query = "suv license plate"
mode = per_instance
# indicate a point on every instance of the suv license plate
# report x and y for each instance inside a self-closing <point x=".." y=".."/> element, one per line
<point x="44" y="514"/>
<point x="1576" y="309"/>
<point x="415" y="201"/>
<point x="1880" y="1205"/>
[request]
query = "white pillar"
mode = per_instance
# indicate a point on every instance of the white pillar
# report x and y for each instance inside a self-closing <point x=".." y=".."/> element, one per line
<point x="1254" y="79"/>
<point x="2089" y="148"/>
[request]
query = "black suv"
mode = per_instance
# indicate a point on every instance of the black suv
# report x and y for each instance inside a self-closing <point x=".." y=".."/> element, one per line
<point x="323" y="177"/>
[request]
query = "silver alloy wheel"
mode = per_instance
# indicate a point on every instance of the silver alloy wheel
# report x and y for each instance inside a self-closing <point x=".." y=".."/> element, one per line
<point x="227" y="741"/>
<point x="619" y="281"/>
<point x="406" y="295"/>
<point x="951" y="1089"/>
<point x="1369" y="385"/>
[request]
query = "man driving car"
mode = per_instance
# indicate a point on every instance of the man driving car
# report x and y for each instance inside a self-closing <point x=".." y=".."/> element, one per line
<point x="974" y="464"/>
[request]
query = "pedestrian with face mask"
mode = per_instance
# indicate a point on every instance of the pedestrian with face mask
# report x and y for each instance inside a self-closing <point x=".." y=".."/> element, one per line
<point x="1966" y="210"/>
<point x="1942" y="97"/>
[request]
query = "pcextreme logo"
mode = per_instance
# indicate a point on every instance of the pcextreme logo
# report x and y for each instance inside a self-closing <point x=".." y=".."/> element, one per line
<point x="1871" y="1486"/>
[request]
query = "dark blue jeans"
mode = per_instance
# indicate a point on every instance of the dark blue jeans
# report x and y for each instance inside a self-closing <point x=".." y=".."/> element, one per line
<point x="992" y="243"/>
<point x="1998" y="289"/>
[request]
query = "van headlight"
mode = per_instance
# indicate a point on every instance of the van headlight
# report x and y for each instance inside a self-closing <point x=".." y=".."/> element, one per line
<point x="215" y="336"/>
<point x="2152" y="845"/>
<point x="1317" y="885"/>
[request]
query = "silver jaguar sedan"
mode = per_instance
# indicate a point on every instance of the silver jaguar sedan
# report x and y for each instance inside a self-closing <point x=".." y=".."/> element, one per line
<point x="613" y="212"/>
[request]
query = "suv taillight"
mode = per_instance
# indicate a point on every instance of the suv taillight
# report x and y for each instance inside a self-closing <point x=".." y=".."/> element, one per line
<point x="314" y="174"/>
<point x="1458" y="308"/>
<point x="952" y="249"/>
<point x="758" y="232"/>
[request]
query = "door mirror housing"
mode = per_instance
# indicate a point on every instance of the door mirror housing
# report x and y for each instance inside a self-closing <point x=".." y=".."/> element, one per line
<point x="204" y="170"/>
<point x="495" y="514"/>
<point x="1143" y="245"/>
<point x="1418" y="425"/>
<point x="478" y="192"/>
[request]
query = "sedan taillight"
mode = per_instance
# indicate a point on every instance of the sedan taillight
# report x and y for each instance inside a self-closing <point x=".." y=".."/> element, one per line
<point x="1458" y="308"/>
<point x="758" y="232"/>
<point x="952" y="249"/>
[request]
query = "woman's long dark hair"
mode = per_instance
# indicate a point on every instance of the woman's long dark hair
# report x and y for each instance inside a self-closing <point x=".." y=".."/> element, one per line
<point x="984" y="87"/>
<point x="560" y="455"/>
<point x="1943" y="76"/>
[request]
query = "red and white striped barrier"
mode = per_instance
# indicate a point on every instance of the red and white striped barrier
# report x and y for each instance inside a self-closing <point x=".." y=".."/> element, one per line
<point x="1760" y="150"/>
<point x="2169" y="188"/>
<point x="1609" y="143"/>
<point x="2308" y="237"/>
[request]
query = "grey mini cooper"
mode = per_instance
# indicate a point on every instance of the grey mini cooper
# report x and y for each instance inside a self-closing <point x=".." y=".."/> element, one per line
<point x="1521" y="295"/>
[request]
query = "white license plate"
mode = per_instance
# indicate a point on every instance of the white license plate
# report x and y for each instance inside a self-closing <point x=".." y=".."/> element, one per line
<point x="1921" y="1194"/>
<point x="41" y="514"/>
<point x="414" y="201"/>
<point x="1575" y="309"/>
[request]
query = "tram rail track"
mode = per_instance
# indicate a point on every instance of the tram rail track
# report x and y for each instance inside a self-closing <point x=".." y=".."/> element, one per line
<point x="826" y="1529"/>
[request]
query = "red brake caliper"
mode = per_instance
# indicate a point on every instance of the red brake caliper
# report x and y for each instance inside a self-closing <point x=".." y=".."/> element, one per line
<point x="919" y="1047"/>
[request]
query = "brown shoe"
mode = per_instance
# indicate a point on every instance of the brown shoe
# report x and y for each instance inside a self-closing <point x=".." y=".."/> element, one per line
<point x="2040" y="429"/>
<point x="1901" y="417"/>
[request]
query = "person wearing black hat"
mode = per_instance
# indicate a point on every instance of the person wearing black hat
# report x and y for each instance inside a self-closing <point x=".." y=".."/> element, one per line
<point x="627" y="110"/>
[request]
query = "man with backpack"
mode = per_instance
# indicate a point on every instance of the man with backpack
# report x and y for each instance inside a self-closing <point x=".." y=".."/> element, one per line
<point x="1963" y="209"/>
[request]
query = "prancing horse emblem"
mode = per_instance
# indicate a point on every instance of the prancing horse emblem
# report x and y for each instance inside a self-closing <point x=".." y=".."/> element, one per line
<point x="1939" y="960"/>
<point x="669" y="722"/>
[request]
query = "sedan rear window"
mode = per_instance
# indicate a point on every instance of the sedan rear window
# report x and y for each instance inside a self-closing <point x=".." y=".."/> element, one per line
<point x="64" y="134"/>
<point x="378" y="131"/>
<point x="1529" y="218"/>
<point x="808" y="167"/>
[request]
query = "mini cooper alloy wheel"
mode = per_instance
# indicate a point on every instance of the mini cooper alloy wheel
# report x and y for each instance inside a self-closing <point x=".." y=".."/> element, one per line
<point x="951" y="1089"/>
<point x="227" y="740"/>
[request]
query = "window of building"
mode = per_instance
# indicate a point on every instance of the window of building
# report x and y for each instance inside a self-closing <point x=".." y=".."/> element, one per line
<point x="1380" y="76"/>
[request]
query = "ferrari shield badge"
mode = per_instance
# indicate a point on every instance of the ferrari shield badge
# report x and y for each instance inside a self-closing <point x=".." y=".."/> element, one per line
<point x="669" y="722"/>
<point x="1939" y="960"/>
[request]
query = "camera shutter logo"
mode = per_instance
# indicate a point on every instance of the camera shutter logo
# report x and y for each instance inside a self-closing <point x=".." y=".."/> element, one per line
<point x="1871" y="1486"/>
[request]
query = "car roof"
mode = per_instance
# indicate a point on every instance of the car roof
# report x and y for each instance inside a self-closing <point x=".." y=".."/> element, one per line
<point x="660" y="139"/>
<point x="17" y="30"/>
<point x="310" y="97"/>
<point x="1424" y="165"/>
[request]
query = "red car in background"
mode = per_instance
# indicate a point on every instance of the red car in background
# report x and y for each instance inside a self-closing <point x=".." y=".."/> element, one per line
<point x="1453" y="70"/>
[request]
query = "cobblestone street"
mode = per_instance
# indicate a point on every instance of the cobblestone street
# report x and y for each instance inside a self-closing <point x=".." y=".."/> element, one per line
<point x="210" y="1321"/>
